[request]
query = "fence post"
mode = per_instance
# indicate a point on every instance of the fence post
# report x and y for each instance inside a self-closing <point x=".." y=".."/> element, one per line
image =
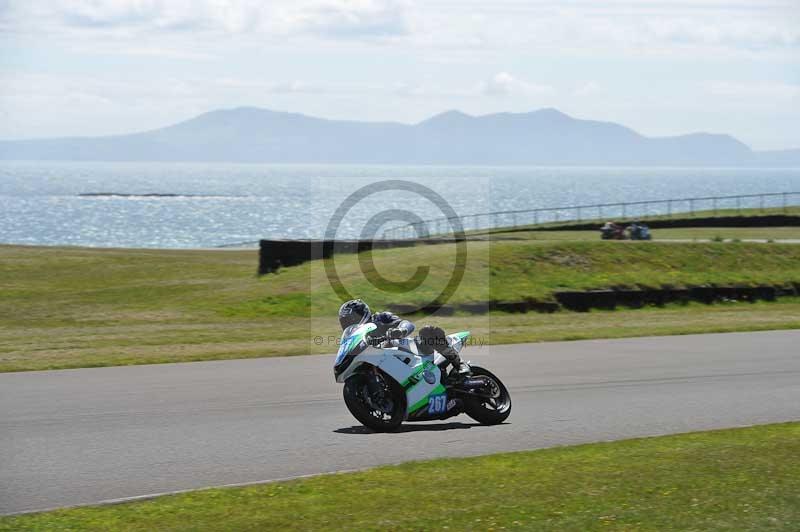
<point x="536" y="217"/>
<point x="738" y="205"/>
<point x="514" y="219"/>
<point x="624" y="210"/>
<point x="579" y="213"/>
<point x="599" y="212"/>
<point x="785" y="204"/>
<point x="691" y="207"/>
<point x="669" y="208"/>
<point x="714" y="205"/>
<point x="761" y="202"/>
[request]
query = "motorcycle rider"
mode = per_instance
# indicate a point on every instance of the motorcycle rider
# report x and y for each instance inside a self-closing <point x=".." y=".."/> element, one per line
<point x="393" y="327"/>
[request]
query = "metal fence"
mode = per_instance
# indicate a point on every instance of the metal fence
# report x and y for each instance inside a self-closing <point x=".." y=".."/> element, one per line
<point x="710" y="206"/>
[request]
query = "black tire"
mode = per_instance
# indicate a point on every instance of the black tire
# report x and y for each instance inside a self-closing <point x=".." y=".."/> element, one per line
<point x="489" y="411"/>
<point x="354" y="392"/>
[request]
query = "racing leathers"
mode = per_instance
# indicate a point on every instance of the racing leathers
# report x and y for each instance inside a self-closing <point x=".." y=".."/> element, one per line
<point x="431" y="338"/>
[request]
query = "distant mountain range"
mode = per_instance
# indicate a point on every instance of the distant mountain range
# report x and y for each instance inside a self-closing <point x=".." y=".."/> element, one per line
<point x="543" y="137"/>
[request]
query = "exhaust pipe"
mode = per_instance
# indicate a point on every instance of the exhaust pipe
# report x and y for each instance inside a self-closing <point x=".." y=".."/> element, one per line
<point x="472" y="383"/>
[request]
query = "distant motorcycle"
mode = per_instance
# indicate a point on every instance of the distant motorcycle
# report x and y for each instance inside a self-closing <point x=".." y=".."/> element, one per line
<point x="389" y="382"/>
<point x="612" y="231"/>
<point x="637" y="231"/>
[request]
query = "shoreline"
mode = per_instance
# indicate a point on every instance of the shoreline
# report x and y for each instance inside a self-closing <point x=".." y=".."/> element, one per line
<point x="121" y="248"/>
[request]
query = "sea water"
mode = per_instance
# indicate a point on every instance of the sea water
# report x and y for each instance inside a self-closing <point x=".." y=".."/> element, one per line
<point x="207" y="205"/>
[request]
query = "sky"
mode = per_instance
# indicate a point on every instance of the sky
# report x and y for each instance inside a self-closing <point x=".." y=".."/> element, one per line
<point x="86" y="67"/>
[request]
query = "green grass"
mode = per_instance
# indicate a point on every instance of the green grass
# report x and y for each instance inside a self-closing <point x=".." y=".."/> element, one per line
<point x="519" y="270"/>
<point x="75" y="307"/>
<point x="694" y="318"/>
<point x="738" y="479"/>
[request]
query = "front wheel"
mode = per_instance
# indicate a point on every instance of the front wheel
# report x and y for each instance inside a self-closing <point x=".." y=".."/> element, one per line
<point x="492" y="408"/>
<point x="375" y="400"/>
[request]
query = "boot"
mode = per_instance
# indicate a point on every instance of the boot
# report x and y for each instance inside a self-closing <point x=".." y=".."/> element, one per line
<point x="459" y="369"/>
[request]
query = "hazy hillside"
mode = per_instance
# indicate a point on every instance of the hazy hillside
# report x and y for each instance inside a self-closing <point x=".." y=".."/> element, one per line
<point x="543" y="137"/>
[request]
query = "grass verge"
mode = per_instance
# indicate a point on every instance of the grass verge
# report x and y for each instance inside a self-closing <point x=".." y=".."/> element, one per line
<point x="73" y="307"/>
<point x="737" y="479"/>
<point x="510" y="271"/>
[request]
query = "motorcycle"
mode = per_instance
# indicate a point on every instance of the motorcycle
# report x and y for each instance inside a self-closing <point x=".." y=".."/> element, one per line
<point x="639" y="232"/>
<point x="612" y="231"/>
<point x="387" y="382"/>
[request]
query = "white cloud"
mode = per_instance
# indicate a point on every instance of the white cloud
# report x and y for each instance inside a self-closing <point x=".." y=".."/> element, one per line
<point x="337" y="19"/>
<point x="504" y="84"/>
<point x="582" y="27"/>
<point x="587" y="89"/>
<point x="344" y="19"/>
<point x="736" y="32"/>
<point x="279" y="87"/>
<point x="759" y="91"/>
<point x="621" y="27"/>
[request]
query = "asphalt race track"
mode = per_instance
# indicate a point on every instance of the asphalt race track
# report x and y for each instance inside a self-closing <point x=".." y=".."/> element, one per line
<point x="83" y="436"/>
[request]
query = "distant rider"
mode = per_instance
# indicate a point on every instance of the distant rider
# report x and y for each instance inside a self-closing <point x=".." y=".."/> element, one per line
<point x="392" y="327"/>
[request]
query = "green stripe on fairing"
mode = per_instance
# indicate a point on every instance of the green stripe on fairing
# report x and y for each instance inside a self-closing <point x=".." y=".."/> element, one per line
<point x="424" y="401"/>
<point x="355" y="340"/>
<point x="462" y="335"/>
<point x="426" y="365"/>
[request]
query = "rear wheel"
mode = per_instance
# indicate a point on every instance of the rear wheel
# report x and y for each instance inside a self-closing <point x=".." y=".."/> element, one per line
<point x="492" y="408"/>
<point x="375" y="400"/>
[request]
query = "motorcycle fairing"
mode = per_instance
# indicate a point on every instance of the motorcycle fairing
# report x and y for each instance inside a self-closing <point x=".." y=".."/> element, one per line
<point x="420" y="376"/>
<point x="414" y="377"/>
<point x="424" y="381"/>
<point x="354" y="341"/>
<point x="458" y="340"/>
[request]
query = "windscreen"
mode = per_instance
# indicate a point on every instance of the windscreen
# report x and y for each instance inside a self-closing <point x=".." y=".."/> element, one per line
<point x="351" y="338"/>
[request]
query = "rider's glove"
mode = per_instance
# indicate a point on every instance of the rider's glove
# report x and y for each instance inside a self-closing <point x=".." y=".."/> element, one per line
<point x="394" y="334"/>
